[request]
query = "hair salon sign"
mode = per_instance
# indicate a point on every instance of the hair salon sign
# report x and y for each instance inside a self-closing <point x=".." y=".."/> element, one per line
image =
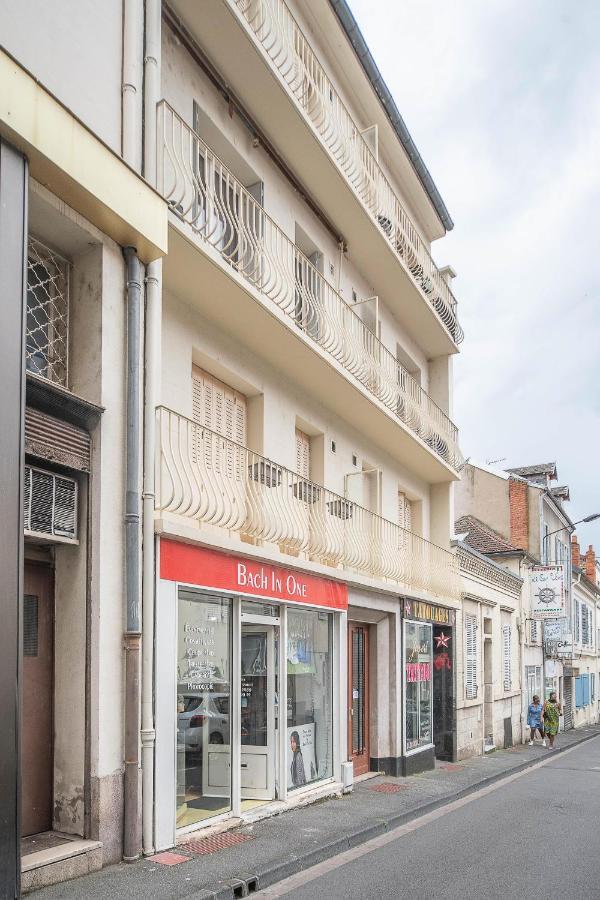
<point x="547" y="592"/>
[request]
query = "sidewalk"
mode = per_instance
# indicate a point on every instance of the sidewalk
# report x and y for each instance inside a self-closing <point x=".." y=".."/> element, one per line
<point x="275" y="848"/>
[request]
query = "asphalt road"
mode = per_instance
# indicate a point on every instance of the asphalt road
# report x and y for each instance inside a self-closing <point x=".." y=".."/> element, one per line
<point x="533" y="835"/>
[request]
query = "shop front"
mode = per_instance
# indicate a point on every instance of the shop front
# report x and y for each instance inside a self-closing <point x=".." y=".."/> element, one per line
<point x="247" y="690"/>
<point x="428" y="685"/>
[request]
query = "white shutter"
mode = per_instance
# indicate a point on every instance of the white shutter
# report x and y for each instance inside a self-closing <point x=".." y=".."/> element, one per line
<point x="404" y="511"/>
<point x="221" y="410"/>
<point x="470" y="657"/>
<point x="506" y="655"/>
<point x="534" y="631"/>
<point x="302" y="454"/>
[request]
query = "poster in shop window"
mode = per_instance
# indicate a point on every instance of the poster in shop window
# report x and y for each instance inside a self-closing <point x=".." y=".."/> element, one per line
<point x="301" y="763"/>
<point x="547" y="592"/>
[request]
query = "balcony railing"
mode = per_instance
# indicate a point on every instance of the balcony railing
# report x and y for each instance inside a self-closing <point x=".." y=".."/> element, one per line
<point x="214" y="481"/>
<point x="204" y="193"/>
<point x="280" y="36"/>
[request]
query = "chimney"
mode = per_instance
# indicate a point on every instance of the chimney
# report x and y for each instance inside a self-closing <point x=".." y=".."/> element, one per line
<point x="575" y="552"/>
<point x="590" y="564"/>
<point x="519" y="513"/>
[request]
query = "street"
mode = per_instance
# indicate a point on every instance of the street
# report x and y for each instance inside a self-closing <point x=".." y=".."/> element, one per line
<point x="532" y="834"/>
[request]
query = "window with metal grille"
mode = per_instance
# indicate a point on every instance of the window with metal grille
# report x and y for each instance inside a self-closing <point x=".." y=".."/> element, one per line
<point x="506" y="655"/>
<point x="30" y="625"/>
<point x="46" y="342"/>
<point x="471" y="661"/>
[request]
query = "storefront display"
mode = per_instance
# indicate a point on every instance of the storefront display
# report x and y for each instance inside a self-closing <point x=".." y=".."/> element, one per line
<point x="309" y="696"/>
<point x="418" y="661"/>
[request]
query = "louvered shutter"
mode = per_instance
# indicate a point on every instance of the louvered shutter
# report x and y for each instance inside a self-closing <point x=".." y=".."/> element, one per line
<point x="534" y="631"/>
<point x="404" y="511"/>
<point x="577" y="621"/>
<point x="506" y="654"/>
<point x="218" y="410"/>
<point x="579" y="692"/>
<point x="470" y="657"/>
<point x="302" y="454"/>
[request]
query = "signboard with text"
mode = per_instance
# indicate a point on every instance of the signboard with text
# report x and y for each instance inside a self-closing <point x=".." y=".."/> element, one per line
<point x="547" y="592"/>
<point x="207" y="568"/>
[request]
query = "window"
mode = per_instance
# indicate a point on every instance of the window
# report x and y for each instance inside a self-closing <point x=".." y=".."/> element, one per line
<point x="593" y="686"/>
<point x="309" y="697"/>
<point x="471" y="661"/>
<point x="302" y="454"/>
<point x="418" y="664"/>
<point x="46" y="343"/>
<point x="506" y="656"/>
<point x="535" y="631"/>
<point x="219" y="411"/>
<point x="203" y="692"/>
<point x="533" y="677"/>
<point x="586" y="625"/>
<point x="577" y="622"/>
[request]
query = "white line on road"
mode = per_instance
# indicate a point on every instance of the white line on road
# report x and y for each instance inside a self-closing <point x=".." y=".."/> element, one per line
<point x="347" y="856"/>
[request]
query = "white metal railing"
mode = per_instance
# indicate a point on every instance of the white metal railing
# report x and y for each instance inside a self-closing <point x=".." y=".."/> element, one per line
<point x="204" y="193"/>
<point x="203" y="476"/>
<point x="276" y="30"/>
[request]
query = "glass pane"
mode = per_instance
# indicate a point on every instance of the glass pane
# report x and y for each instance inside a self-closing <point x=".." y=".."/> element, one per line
<point x="203" y="705"/>
<point x="418" y="654"/>
<point x="254" y="689"/>
<point x="310" y="695"/>
<point x="256" y="608"/>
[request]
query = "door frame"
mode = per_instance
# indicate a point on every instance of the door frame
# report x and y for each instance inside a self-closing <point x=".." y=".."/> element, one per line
<point x="361" y="762"/>
<point x="251" y="626"/>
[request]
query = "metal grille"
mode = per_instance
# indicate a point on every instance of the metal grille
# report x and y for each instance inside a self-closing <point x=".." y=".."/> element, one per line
<point x="30" y="625"/>
<point x="388" y="788"/>
<point x="358" y="690"/>
<point x="47" y="313"/>
<point x="215" y="842"/>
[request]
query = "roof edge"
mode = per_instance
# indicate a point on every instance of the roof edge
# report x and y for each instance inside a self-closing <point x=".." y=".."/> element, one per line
<point x="365" y="57"/>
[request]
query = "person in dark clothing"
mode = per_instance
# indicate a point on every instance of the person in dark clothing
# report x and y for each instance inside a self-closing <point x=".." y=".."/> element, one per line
<point x="297" y="767"/>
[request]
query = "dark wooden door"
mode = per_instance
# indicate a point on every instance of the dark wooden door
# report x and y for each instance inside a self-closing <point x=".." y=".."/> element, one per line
<point x="358" y="696"/>
<point x="36" y="710"/>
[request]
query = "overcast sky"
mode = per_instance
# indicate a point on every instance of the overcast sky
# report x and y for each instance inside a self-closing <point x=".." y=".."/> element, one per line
<point x="502" y="99"/>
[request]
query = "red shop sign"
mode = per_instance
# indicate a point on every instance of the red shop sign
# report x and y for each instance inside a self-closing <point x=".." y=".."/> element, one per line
<point x="211" y="569"/>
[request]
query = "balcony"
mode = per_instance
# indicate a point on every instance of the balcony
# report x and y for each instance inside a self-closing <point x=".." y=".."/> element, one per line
<point x="203" y="193"/>
<point x="338" y="167"/>
<point x="212" y="481"/>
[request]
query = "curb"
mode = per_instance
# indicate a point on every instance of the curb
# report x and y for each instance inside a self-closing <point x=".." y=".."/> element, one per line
<point x="247" y="885"/>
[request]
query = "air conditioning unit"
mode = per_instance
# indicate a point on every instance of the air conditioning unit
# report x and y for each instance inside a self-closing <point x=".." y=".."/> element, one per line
<point x="50" y="506"/>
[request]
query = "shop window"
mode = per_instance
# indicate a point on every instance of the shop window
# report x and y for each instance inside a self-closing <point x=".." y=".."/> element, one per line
<point x="203" y="707"/>
<point x="418" y="671"/>
<point x="309" y="697"/>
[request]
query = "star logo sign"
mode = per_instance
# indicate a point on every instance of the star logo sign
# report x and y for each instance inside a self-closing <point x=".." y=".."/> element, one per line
<point x="442" y="641"/>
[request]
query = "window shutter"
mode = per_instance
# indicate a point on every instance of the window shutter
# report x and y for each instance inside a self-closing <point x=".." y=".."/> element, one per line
<point x="578" y="692"/>
<point x="586" y="689"/>
<point x="534" y="631"/>
<point x="220" y="409"/>
<point x="577" y="621"/>
<point x="302" y="454"/>
<point x="506" y="647"/>
<point x="471" y="657"/>
<point x="404" y="511"/>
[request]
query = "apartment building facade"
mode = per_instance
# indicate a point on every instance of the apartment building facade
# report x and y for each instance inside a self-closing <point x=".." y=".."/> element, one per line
<point x="269" y="537"/>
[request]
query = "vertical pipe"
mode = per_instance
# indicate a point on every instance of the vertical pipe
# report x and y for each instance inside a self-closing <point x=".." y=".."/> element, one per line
<point x="133" y="30"/>
<point x="131" y="819"/>
<point x="152" y="368"/>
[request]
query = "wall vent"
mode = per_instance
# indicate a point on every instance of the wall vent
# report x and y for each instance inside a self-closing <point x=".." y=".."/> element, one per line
<point x="50" y="505"/>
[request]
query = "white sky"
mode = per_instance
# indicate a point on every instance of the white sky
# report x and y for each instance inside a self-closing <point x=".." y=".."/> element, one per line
<point x="502" y="98"/>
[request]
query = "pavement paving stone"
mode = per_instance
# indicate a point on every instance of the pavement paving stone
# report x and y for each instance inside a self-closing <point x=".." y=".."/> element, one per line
<point x="299" y="838"/>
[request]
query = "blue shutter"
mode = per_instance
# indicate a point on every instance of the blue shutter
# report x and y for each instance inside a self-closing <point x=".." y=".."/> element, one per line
<point x="578" y="692"/>
<point x="586" y="689"/>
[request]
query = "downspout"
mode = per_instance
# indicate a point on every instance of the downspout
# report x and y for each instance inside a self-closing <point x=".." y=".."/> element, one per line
<point x="131" y="87"/>
<point x="152" y="368"/>
<point x="131" y="819"/>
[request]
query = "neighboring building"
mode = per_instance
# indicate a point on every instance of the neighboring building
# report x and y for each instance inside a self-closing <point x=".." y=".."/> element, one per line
<point x="532" y="529"/>
<point x="586" y="622"/>
<point x="490" y="645"/>
<point x="298" y="448"/>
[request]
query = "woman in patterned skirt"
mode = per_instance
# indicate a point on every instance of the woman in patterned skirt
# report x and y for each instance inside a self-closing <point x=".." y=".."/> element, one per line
<point x="550" y="715"/>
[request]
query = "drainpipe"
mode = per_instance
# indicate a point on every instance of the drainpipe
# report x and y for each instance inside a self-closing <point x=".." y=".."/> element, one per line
<point x="152" y="369"/>
<point x="131" y="819"/>
<point x="131" y="87"/>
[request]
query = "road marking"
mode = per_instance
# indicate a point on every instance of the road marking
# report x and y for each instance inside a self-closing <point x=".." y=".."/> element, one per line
<point x="329" y="865"/>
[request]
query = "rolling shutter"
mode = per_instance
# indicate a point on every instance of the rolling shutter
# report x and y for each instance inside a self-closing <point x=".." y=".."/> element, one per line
<point x="302" y="454"/>
<point x="470" y="657"/>
<point x="506" y="655"/>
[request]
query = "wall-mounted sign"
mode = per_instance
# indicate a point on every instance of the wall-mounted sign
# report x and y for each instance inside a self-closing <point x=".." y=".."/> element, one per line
<point x="419" y="609"/>
<point x="547" y="592"/>
<point x="555" y="628"/>
<point x="189" y="564"/>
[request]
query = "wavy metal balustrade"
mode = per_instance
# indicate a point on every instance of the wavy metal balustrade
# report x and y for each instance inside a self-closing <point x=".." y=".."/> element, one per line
<point x="204" y="193"/>
<point x="203" y="476"/>
<point x="276" y="30"/>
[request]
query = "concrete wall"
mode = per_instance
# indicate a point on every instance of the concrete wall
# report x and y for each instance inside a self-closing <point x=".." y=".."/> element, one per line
<point x="483" y="494"/>
<point x="75" y="49"/>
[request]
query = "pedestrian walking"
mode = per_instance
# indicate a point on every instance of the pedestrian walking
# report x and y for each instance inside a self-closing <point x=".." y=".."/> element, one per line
<point x="550" y="717"/>
<point x="534" y="720"/>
